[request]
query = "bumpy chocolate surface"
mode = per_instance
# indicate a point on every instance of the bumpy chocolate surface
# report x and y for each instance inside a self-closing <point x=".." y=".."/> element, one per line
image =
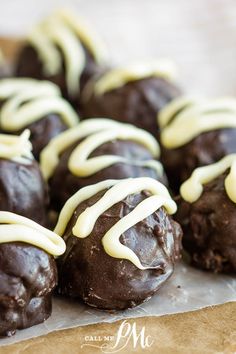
<point x="29" y="65"/>
<point x="209" y="227"/>
<point x="206" y="149"/>
<point x="64" y="184"/>
<point x="86" y="271"/>
<point x="27" y="277"/>
<point x="137" y="103"/>
<point x="22" y="190"/>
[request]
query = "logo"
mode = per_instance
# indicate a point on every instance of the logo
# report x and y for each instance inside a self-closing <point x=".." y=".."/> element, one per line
<point x="127" y="333"/>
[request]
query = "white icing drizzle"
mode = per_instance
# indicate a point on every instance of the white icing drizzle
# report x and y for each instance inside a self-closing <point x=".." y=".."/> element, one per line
<point x="28" y="100"/>
<point x="118" y="77"/>
<point x="192" y="189"/>
<point x="94" y="133"/>
<point x="16" y="147"/>
<point x="117" y="191"/>
<point x="16" y="228"/>
<point x="185" y="118"/>
<point x="65" y="31"/>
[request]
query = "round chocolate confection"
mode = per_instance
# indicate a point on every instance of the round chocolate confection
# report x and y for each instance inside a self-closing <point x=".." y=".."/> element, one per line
<point x="136" y="102"/>
<point x="30" y="65"/>
<point x="195" y="133"/>
<point x="63" y="184"/>
<point x="23" y="190"/>
<point x="27" y="277"/>
<point x="209" y="227"/>
<point x="61" y="31"/>
<point x="205" y="149"/>
<point x="37" y="106"/>
<point x="87" y="272"/>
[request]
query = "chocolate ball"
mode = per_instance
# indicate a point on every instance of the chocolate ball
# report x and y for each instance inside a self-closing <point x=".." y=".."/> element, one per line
<point x="209" y="227"/>
<point x="205" y="149"/>
<point x="29" y="101"/>
<point x="136" y="102"/>
<point x="87" y="272"/>
<point x="63" y="184"/>
<point x="28" y="276"/>
<point x="23" y="190"/>
<point x="30" y="65"/>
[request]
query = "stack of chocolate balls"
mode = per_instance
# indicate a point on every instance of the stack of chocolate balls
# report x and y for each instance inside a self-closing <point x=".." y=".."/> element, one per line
<point x="112" y="153"/>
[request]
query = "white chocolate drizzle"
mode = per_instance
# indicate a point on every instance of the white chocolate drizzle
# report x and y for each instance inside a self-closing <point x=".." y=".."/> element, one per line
<point x="94" y="133"/>
<point x="16" y="228"/>
<point x="185" y="118"/>
<point x="192" y="189"/>
<point x="28" y="100"/>
<point x="16" y="147"/>
<point x="68" y="33"/>
<point x="115" y="191"/>
<point x="118" y="77"/>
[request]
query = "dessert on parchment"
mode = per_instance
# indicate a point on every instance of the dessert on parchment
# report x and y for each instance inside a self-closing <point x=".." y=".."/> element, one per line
<point x="95" y="150"/>
<point x="28" y="273"/>
<point x="37" y="106"/>
<point x="121" y="242"/>
<point x="207" y="214"/>
<point x="132" y="94"/>
<point x="65" y="50"/>
<point x="22" y="187"/>
<point x="194" y="133"/>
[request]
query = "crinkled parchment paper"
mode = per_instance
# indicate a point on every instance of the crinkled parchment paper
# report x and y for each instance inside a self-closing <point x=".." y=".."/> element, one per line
<point x="187" y="290"/>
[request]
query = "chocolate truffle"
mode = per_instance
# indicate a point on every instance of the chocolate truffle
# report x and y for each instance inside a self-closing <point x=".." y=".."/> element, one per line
<point x="64" y="50"/>
<point x="95" y="150"/>
<point x="133" y="94"/>
<point x="122" y="243"/>
<point x="207" y="213"/>
<point x="28" y="272"/>
<point x="22" y="188"/>
<point x="195" y="133"/>
<point x="36" y="105"/>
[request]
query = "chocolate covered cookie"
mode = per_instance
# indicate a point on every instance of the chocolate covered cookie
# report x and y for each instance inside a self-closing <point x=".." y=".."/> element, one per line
<point x="133" y="94"/>
<point x="95" y="150"/>
<point x="28" y="272"/>
<point x="122" y="243"/>
<point x="64" y="50"/>
<point x="207" y="213"/>
<point x="195" y="133"/>
<point x="36" y="105"/>
<point x="22" y="187"/>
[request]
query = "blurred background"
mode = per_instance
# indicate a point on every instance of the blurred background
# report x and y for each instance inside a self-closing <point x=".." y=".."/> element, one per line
<point x="199" y="35"/>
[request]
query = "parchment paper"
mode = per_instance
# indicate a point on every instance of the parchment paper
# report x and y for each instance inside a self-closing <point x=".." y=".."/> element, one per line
<point x="200" y="37"/>
<point x="187" y="290"/>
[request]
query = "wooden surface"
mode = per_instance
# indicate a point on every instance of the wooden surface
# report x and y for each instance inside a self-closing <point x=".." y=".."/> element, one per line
<point x="212" y="330"/>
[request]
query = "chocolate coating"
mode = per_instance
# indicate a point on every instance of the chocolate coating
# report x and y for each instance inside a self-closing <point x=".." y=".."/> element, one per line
<point x="27" y="277"/>
<point x="206" y="149"/>
<point x="136" y="102"/>
<point x="30" y="65"/>
<point x="209" y="227"/>
<point x="43" y="130"/>
<point x="64" y="184"/>
<point x="86" y="271"/>
<point x="23" y="190"/>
